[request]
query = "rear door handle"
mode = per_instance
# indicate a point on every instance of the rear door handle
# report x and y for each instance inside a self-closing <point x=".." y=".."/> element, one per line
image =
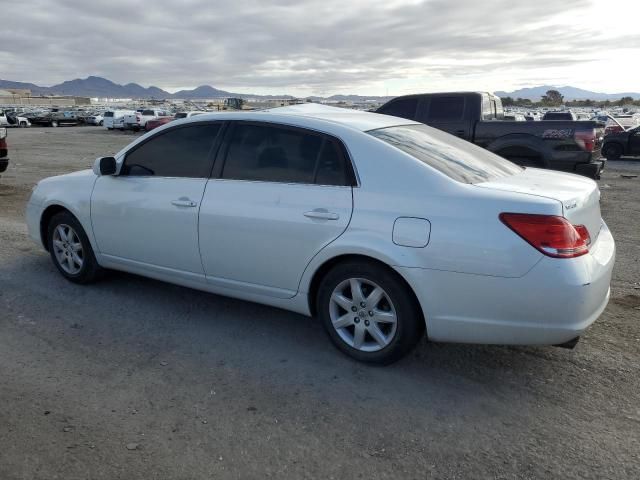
<point x="183" y="203"/>
<point x="321" y="214"/>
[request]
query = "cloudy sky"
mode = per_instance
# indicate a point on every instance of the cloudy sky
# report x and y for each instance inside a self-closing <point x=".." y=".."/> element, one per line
<point x="388" y="47"/>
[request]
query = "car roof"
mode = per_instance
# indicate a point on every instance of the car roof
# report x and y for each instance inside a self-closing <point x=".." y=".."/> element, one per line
<point x="310" y="115"/>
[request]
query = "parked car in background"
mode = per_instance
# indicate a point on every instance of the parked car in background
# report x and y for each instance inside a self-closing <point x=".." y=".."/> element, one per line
<point x="11" y="119"/>
<point x="479" y="118"/>
<point x="138" y="120"/>
<point x="53" y="118"/>
<point x="4" y="150"/>
<point x="564" y="115"/>
<point x="95" y="119"/>
<point x="622" y="143"/>
<point x="514" y="117"/>
<point x="157" y="122"/>
<point x="382" y="227"/>
<point x="114" y="119"/>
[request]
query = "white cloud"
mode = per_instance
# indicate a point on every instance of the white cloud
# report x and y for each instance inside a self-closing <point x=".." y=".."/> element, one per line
<point x="327" y="46"/>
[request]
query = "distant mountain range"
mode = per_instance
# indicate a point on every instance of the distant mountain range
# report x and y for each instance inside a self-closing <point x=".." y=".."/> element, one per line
<point x="103" y="88"/>
<point x="569" y="93"/>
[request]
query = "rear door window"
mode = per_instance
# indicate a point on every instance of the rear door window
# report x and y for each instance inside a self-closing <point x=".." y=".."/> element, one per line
<point x="178" y="152"/>
<point x="273" y="153"/>
<point x="446" y="109"/>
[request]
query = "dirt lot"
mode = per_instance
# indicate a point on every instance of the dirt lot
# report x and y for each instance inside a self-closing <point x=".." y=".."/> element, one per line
<point x="135" y="379"/>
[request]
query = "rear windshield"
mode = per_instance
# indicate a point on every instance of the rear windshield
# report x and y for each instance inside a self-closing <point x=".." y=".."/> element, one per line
<point x="148" y="112"/>
<point x="456" y="158"/>
<point x="181" y="115"/>
<point x="108" y="114"/>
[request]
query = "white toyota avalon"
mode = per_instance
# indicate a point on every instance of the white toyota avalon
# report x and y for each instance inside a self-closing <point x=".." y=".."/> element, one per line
<point x="383" y="228"/>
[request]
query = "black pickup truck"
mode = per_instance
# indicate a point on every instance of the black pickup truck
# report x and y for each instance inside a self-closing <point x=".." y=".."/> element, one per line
<point x="4" y="159"/>
<point x="478" y="117"/>
<point x="622" y="143"/>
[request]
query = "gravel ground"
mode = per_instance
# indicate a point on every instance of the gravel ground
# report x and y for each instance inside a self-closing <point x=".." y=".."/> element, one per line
<point x="136" y="379"/>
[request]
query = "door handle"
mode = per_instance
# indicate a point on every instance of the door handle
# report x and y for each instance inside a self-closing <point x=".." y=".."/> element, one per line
<point x="183" y="203"/>
<point x="321" y="214"/>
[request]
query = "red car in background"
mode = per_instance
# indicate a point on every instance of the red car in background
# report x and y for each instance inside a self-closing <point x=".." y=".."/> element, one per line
<point x="156" y="122"/>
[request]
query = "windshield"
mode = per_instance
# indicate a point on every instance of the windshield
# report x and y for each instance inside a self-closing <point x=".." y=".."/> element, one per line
<point x="108" y="114"/>
<point x="148" y="113"/>
<point x="181" y="115"/>
<point x="456" y="158"/>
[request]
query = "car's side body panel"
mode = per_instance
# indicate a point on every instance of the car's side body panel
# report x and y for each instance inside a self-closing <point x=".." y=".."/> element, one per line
<point x="241" y="226"/>
<point x="135" y="218"/>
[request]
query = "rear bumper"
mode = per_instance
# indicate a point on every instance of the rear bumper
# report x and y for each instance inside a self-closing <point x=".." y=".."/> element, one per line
<point x="552" y="304"/>
<point x="592" y="169"/>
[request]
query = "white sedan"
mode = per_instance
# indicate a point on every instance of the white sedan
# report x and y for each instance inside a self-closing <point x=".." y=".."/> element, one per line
<point x="381" y="227"/>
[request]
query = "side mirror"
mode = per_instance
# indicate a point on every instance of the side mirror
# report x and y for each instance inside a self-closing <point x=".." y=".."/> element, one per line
<point x="105" y="166"/>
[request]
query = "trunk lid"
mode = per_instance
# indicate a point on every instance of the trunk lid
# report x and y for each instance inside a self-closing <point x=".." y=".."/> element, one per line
<point x="579" y="196"/>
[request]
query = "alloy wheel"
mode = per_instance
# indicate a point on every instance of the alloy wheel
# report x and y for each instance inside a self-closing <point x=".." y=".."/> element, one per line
<point x="363" y="314"/>
<point x="68" y="249"/>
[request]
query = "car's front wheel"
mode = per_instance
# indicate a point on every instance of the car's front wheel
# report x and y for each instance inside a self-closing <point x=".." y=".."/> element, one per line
<point x="369" y="312"/>
<point x="71" y="250"/>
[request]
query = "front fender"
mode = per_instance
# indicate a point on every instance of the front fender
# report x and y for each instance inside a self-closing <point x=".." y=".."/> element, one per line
<point x="71" y="192"/>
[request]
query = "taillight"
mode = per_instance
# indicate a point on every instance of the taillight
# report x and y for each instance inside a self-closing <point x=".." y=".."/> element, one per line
<point x="552" y="235"/>
<point x="586" y="139"/>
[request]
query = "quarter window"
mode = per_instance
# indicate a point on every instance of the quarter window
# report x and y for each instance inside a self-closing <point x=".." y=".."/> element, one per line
<point x="179" y="152"/>
<point x="281" y="154"/>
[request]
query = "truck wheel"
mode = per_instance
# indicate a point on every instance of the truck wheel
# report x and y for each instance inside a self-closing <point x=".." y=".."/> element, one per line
<point x="612" y="151"/>
<point x="101" y="123"/>
<point x="23" y="124"/>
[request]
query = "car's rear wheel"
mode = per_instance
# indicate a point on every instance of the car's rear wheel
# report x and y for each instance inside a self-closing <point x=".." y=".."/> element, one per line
<point x="369" y="312"/>
<point x="71" y="250"/>
<point x="612" y="151"/>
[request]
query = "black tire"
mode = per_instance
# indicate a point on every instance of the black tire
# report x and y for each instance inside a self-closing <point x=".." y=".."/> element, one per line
<point x="23" y="124"/>
<point x="410" y="324"/>
<point x="90" y="270"/>
<point x="101" y="123"/>
<point x="612" y="151"/>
